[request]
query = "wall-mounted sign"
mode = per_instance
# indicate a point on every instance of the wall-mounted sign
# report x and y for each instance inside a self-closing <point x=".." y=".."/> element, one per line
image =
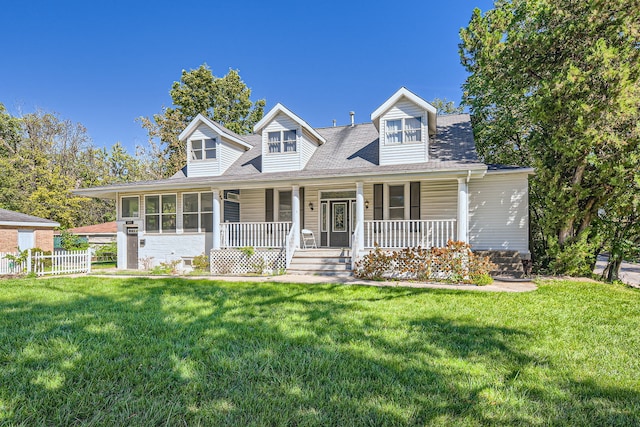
<point x="129" y="222"/>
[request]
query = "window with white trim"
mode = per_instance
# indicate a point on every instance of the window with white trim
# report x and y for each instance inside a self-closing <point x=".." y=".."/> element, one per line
<point x="197" y="212"/>
<point x="160" y="213"/>
<point x="283" y="141"/>
<point x="203" y="149"/>
<point x="130" y="207"/>
<point x="396" y="202"/>
<point x="404" y="130"/>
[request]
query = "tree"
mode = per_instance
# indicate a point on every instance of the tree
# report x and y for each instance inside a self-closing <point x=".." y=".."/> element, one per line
<point x="225" y="100"/>
<point x="446" y="107"/>
<point x="555" y="85"/>
<point x="43" y="158"/>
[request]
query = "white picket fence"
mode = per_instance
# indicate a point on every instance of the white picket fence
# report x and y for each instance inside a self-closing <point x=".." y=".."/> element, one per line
<point x="62" y="262"/>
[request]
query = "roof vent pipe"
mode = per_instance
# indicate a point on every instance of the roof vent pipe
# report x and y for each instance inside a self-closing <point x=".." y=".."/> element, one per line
<point x="334" y="122"/>
<point x="352" y="114"/>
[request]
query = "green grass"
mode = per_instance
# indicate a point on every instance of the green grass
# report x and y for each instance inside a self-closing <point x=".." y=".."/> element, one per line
<point x="168" y="351"/>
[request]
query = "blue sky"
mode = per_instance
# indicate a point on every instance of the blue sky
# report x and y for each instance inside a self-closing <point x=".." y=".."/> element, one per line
<point x="104" y="64"/>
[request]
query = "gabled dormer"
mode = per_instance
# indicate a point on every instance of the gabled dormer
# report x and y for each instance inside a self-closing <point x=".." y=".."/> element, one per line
<point x="405" y="121"/>
<point x="288" y="142"/>
<point x="211" y="148"/>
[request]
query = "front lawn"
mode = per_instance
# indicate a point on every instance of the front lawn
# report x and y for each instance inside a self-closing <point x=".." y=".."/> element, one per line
<point x="174" y="351"/>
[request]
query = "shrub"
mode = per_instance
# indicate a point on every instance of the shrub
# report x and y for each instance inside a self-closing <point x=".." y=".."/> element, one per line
<point x="201" y="262"/>
<point x="72" y="242"/>
<point x="454" y="264"/>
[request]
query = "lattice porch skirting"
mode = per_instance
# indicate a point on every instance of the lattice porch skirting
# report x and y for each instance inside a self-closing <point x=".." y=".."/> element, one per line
<point x="235" y="261"/>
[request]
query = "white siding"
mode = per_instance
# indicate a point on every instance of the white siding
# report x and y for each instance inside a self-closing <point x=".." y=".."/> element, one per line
<point x="307" y="148"/>
<point x="168" y="247"/>
<point x="252" y="205"/>
<point x="203" y="167"/>
<point x="228" y="153"/>
<point x="278" y="162"/>
<point x="393" y="154"/>
<point x="499" y="212"/>
<point x="438" y="199"/>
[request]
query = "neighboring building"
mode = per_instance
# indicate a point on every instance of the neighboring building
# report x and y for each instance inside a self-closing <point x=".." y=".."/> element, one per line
<point x="407" y="178"/>
<point x="18" y="230"/>
<point x="97" y="234"/>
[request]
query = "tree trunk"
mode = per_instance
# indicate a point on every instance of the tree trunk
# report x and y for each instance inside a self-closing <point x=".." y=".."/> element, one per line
<point x="612" y="271"/>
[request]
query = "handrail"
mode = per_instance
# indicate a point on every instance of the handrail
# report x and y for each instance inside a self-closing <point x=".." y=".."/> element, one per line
<point x="409" y="233"/>
<point x="290" y="245"/>
<point x="356" y="245"/>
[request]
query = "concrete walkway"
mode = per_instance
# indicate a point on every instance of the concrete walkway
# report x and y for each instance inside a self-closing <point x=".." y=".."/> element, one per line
<point x="496" y="286"/>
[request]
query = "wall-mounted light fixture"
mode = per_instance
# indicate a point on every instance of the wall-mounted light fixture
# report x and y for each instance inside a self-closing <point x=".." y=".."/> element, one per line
<point x="311" y="205"/>
<point x="366" y="204"/>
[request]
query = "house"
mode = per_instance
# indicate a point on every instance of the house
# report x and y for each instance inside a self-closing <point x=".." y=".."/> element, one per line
<point x="18" y="230"/>
<point x="96" y="234"/>
<point x="409" y="177"/>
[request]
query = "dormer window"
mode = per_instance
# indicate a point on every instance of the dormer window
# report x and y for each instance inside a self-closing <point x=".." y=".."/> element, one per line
<point x="203" y="149"/>
<point x="283" y="141"/>
<point x="404" y="130"/>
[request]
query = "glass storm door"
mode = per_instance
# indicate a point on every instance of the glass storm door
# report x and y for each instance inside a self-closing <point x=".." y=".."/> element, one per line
<point x="339" y="226"/>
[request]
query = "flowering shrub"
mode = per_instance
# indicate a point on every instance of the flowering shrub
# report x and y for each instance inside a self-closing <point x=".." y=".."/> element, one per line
<point x="452" y="264"/>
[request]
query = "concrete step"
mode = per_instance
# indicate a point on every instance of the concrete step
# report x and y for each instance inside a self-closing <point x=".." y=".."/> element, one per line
<point x="319" y="273"/>
<point x="322" y="253"/>
<point x="332" y="261"/>
<point x="320" y="266"/>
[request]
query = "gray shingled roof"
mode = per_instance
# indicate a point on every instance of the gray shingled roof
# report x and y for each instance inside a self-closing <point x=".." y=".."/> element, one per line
<point x="353" y="149"/>
<point x="11" y="216"/>
<point x="349" y="150"/>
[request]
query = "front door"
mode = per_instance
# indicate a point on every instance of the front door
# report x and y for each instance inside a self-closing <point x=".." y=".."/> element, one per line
<point x="132" y="248"/>
<point x="339" y="227"/>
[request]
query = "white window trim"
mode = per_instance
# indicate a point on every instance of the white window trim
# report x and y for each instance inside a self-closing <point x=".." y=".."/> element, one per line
<point x="120" y="207"/>
<point x="176" y="213"/>
<point x="403" y="130"/>
<point x="282" y="142"/>
<point x="203" y="150"/>
<point x="201" y="228"/>
<point x="407" y="199"/>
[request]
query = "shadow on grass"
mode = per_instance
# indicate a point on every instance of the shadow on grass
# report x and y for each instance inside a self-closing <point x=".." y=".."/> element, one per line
<point x="172" y="351"/>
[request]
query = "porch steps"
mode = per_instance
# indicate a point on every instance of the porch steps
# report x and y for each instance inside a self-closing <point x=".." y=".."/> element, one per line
<point x="326" y="262"/>
<point x="509" y="263"/>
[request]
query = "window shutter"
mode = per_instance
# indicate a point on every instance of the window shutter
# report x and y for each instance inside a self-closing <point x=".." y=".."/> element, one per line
<point x="268" y="205"/>
<point x="378" y="205"/>
<point x="415" y="200"/>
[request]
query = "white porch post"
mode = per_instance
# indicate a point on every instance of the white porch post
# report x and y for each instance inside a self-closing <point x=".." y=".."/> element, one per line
<point x="463" y="210"/>
<point x="360" y="213"/>
<point x="216" y="218"/>
<point x="295" y="214"/>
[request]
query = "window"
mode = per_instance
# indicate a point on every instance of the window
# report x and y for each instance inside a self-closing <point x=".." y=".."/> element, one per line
<point x="160" y="213"/>
<point x="282" y="141"/>
<point x="404" y="130"/>
<point x="284" y="206"/>
<point x="129" y="207"/>
<point x="197" y="212"/>
<point x="203" y="149"/>
<point x="396" y="202"/>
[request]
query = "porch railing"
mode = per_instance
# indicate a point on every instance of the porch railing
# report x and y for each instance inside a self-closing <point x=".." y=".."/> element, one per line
<point x="409" y="233"/>
<point x="256" y="234"/>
